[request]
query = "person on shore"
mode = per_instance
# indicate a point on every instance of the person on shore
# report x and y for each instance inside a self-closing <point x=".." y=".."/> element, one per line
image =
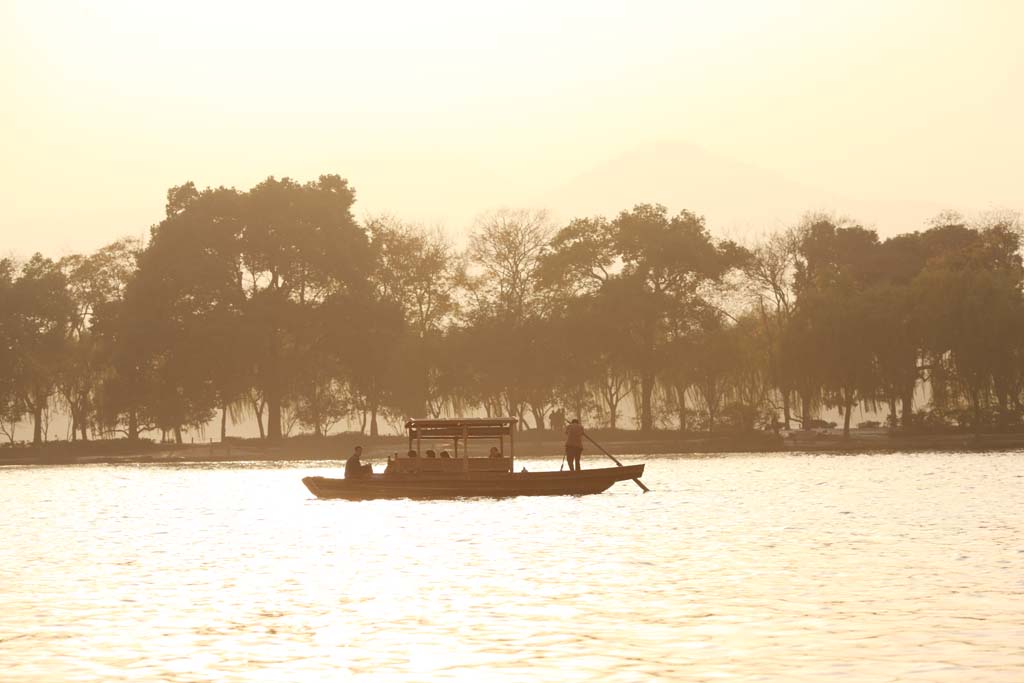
<point x="574" y="444"/>
<point x="354" y="469"/>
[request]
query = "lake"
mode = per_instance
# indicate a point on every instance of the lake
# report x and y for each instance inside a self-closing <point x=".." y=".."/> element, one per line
<point x="902" y="567"/>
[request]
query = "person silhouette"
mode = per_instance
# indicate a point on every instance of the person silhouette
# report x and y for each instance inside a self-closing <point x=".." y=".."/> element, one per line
<point x="354" y="469"/>
<point x="574" y="444"/>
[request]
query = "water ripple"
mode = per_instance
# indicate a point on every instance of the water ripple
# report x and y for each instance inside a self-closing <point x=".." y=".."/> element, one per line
<point x="898" y="567"/>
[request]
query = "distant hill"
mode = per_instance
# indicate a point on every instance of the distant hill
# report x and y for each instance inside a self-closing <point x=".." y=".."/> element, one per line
<point x="737" y="199"/>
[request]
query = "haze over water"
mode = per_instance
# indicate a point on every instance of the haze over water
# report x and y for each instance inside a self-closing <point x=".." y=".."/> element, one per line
<point x="905" y="567"/>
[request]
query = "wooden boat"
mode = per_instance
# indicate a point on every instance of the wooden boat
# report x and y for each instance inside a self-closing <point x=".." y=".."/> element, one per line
<point x="467" y="473"/>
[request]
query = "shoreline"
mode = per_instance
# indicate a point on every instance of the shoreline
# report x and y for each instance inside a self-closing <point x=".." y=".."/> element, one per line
<point x="529" y="445"/>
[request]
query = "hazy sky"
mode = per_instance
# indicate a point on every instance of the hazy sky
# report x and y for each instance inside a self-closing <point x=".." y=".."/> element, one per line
<point x="436" y="111"/>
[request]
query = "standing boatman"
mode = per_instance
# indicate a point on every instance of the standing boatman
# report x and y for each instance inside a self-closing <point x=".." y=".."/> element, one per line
<point x="574" y="444"/>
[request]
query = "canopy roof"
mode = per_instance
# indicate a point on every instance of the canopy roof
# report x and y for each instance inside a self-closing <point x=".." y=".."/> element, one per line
<point x="471" y="427"/>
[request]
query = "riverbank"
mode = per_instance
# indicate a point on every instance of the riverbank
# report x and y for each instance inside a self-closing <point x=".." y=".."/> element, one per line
<point x="528" y="444"/>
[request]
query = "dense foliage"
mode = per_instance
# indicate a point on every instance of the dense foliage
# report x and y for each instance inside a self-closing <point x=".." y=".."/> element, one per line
<point x="276" y="305"/>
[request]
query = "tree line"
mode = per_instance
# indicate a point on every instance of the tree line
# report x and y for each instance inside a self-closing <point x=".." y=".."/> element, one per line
<point x="276" y="305"/>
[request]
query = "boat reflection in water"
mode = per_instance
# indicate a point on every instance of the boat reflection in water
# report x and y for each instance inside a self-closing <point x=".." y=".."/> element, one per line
<point x="471" y="472"/>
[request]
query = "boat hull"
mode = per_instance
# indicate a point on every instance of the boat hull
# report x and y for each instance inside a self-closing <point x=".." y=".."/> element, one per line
<point x="472" y="484"/>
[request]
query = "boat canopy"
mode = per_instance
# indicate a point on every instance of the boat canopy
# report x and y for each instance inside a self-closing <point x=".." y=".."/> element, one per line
<point x="468" y="427"/>
<point x="460" y="431"/>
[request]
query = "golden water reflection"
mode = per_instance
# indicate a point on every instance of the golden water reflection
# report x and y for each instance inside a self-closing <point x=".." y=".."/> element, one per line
<point x="894" y="567"/>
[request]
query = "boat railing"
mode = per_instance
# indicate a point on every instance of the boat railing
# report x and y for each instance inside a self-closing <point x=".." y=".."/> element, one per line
<point x="428" y="465"/>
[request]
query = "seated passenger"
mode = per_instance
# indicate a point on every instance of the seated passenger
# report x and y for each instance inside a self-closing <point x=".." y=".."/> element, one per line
<point x="495" y="453"/>
<point x="446" y="454"/>
<point x="412" y="454"/>
<point x="431" y="453"/>
<point x="355" y="469"/>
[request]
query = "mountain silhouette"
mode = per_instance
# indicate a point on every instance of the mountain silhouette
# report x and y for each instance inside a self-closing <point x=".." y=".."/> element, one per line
<point x="738" y="200"/>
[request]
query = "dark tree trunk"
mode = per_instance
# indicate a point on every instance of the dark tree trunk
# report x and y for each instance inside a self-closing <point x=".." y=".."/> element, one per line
<point x="785" y="409"/>
<point x="847" y="410"/>
<point x="223" y="423"/>
<point x="316" y="401"/>
<point x="908" y="409"/>
<point x="273" y="416"/>
<point x="83" y="426"/>
<point x="257" y="408"/>
<point x="681" y="407"/>
<point x="976" y="401"/>
<point x="373" y="421"/>
<point x="177" y="436"/>
<point x="272" y="390"/>
<point x="646" y="409"/>
<point x="713" y="401"/>
<point x="37" y="428"/>
<point x="805" y="411"/>
<point x="608" y="395"/>
<point x="133" y="426"/>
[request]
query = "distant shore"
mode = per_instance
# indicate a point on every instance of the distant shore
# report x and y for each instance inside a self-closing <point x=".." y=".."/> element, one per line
<point x="529" y="444"/>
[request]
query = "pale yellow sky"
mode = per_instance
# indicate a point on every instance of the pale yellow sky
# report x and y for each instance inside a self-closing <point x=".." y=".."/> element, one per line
<point x="437" y="111"/>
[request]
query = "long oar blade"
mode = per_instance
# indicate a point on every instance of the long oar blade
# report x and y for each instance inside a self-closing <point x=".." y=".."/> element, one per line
<point x="636" y="479"/>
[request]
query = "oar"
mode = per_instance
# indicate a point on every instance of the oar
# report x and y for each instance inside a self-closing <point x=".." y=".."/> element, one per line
<point x="636" y="479"/>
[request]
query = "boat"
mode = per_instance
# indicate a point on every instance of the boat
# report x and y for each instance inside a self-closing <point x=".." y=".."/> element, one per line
<point x="470" y="471"/>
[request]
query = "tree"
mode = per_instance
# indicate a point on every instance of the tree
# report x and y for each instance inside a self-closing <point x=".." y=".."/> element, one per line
<point x="971" y="314"/>
<point x="94" y="281"/>
<point x="666" y="266"/>
<point x="771" y="272"/>
<point x="40" y="316"/>
<point x="418" y="271"/>
<point x="11" y="407"/>
<point x="844" y="347"/>
<point x="749" y="375"/>
<point x="507" y="297"/>
<point x="581" y="258"/>
<point x="506" y="249"/>
<point x="714" y="356"/>
<point x="836" y="263"/>
<point x="298" y="245"/>
<point x="649" y="276"/>
<point x="366" y="336"/>
<point x="179" y="329"/>
<point x="227" y="286"/>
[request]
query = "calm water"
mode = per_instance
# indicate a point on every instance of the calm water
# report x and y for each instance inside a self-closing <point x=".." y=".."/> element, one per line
<point x="866" y="568"/>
